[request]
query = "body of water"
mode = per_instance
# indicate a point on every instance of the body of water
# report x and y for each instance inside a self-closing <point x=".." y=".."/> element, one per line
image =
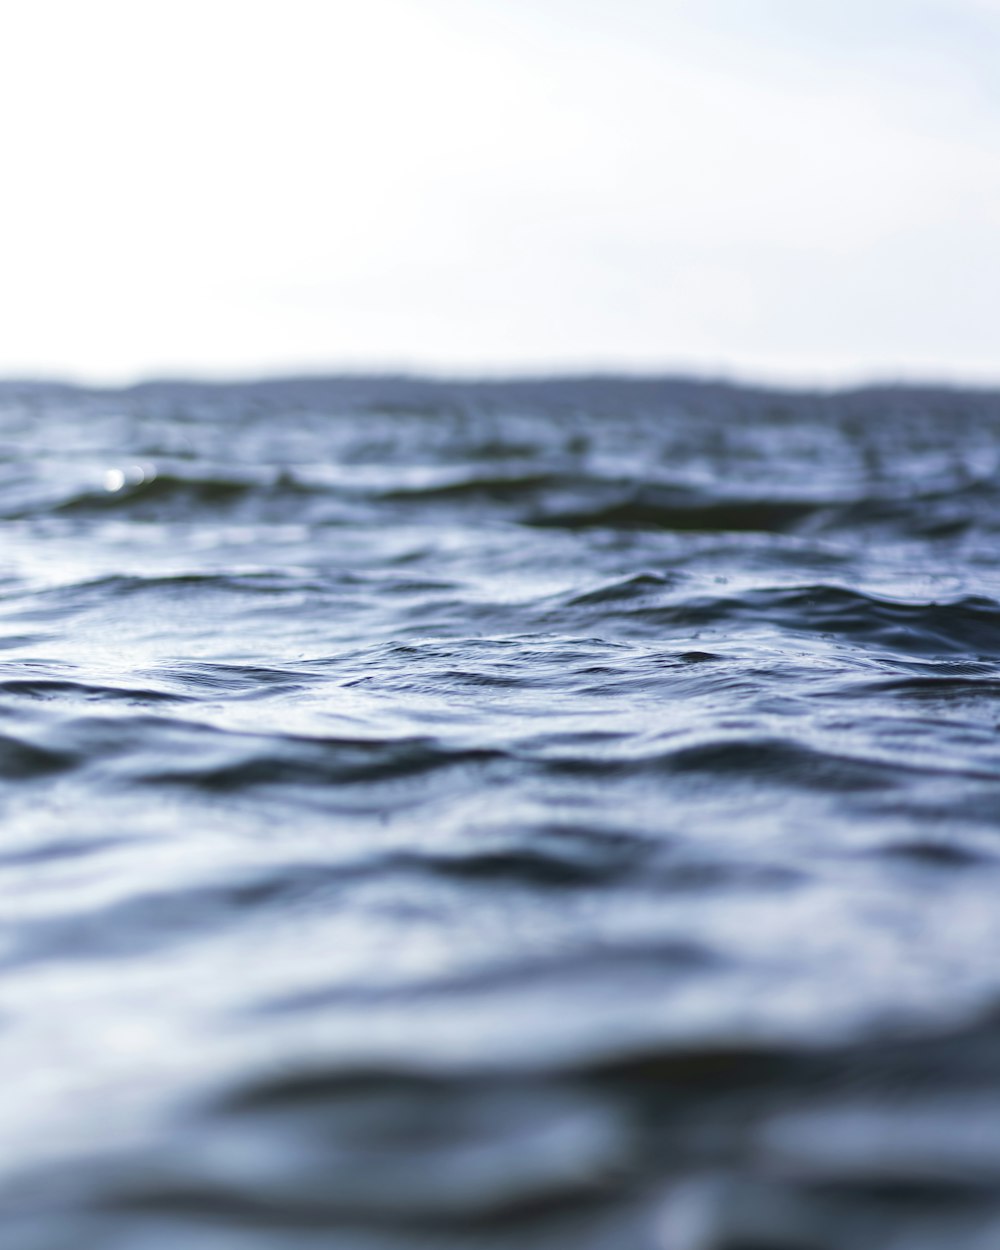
<point x="467" y="817"/>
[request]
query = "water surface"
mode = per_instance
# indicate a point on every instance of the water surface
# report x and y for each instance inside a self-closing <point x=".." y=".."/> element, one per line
<point x="508" y="815"/>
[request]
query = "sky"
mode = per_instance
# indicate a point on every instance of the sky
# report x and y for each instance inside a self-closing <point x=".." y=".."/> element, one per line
<point x="781" y="190"/>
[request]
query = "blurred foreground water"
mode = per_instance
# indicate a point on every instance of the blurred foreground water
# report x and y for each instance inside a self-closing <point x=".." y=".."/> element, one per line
<point x="465" y="817"/>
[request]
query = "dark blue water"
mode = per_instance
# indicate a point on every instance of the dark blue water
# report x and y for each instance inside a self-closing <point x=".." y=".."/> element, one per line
<point x="523" y="815"/>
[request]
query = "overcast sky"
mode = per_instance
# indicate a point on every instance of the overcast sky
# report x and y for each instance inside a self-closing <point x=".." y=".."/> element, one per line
<point x="780" y="189"/>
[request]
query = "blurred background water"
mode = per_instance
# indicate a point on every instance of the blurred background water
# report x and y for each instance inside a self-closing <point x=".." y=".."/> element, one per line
<point x="528" y="814"/>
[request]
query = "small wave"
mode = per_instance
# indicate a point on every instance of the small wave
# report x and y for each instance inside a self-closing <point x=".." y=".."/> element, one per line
<point x="143" y="923"/>
<point x="935" y="854"/>
<point x="970" y="624"/>
<point x="624" y="590"/>
<point x="173" y="491"/>
<point x="756" y="761"/>
<point x="21" y="760"/>
<point x="215" y="678"/>
<point x="226" y="761"/>
<point x="63" y="690"/>
<point x="965" y="626"/>
<point x="182" y="497"/>
<point x="941" y="688"/>
<point x="478" y="488"/>
<point x="677" y="511"/>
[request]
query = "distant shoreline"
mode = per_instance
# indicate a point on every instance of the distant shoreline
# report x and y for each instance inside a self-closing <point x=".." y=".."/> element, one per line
<point x="428" y="385"/>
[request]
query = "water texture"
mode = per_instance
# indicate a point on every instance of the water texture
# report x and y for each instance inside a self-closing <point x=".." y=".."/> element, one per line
<point x="466" y="817"/>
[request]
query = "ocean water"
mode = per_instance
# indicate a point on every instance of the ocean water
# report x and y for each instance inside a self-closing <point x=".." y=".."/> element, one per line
<point x="466" y="817"/>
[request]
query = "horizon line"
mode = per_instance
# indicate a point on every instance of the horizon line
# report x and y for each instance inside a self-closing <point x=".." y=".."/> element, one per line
<point x="691" y="376"/>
